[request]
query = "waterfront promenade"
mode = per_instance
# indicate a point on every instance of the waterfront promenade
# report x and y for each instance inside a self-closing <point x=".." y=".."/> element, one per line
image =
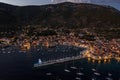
<point x="62" y="60"/>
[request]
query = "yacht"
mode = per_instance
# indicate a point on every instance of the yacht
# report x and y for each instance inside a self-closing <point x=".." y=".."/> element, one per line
<point x="48" y="74"/>
<point x="38" y="49"/>
<point x="77" y="78"/>
<point x="96" y="73"/>
<point x="93" y="69"/>
<point x="73" y="67"/>
<point x="109" y="74"/>
<point x="107" y="78"/>
<point x="79" y="73"/>
<point x="93" y="79"/>
<point x="66" y="70"/>
<point x="9" y="52"/>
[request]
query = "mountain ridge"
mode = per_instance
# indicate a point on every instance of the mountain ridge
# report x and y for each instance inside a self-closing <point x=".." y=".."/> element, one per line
<point x="71" y="15"/>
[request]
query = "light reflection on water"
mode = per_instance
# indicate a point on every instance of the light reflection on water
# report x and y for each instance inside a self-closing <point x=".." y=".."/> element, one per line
<point x="19" y="66"/>
<point x="84" y="67"/>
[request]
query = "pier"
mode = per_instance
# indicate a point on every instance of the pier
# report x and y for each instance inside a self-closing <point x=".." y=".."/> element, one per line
<point x="62" y="60"/>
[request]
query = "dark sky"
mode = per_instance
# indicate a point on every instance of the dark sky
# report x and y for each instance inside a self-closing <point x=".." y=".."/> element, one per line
<point x="114" y="3"/>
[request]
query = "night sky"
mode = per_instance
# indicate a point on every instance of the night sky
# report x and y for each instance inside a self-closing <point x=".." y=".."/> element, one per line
<point x="114" y="3"/>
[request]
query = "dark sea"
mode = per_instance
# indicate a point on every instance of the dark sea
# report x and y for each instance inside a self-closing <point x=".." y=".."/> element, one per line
<point x="18" y="65"/>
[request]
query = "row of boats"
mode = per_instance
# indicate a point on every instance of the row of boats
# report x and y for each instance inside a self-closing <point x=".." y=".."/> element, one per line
<point x="80" y="74"/>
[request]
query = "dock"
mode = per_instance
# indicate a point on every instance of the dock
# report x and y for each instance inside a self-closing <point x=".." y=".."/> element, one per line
<point x="58" y="61"/>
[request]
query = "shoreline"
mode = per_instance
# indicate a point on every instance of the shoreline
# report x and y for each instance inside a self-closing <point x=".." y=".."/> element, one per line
<point x="62" y="60"/>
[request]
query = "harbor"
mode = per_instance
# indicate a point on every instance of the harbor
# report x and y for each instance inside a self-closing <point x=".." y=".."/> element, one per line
<point x="66" y="67"/>
<point x="62" y="54"/>
<point x="40" y="64"/>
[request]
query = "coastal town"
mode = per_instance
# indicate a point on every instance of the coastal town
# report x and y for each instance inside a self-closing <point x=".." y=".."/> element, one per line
<point x="59" y="40"/>
<point x="97" y="49"/>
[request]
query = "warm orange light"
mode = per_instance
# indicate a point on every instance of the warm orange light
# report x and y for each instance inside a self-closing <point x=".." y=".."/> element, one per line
<point x="99" y="61"/>
<point x="99" y="58"/>
<point x="105" y="60"/>
<point x="89" y="59"/>
<point x="93" y="60"/>
<point x="27" y="45"/>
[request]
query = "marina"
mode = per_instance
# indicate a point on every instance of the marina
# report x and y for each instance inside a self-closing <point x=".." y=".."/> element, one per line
<point x="61" y="40"/>
<point x="58" y="61"/>
<point x="60" y="56"/>
<point x="78" y="68"/>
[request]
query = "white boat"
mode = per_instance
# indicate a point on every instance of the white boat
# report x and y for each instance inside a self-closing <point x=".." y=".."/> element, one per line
<point x="73" y="67"/>
<point x="80" y="74"/>
<point x="48" y="74"/>
<point x="77" y="78"/>
<point x="109" y="74"/>
<point x="38" y="49"/>
<point x="93" y="79"/>
<point x="9" y="52"/>
<point x="109" y="78"/>
<point x="96" y="73"/>
<point x="3" y="49"/>
<point x="93" y="69"/>
<point x="22" y="51"/>
<point x="66" y="70"/>
<point x="39" y="61"/>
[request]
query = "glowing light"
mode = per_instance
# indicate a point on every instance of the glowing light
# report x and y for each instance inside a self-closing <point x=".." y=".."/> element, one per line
<point x="47" y="44"/>
<point x="88" y="55"/>
<point x="108" y="60"/>
<point x="93" y="57"/>
<point x="105" y="57"/>
<point x="99" y="61"/>
<point x="93" y="60"/>
<point x="99" y="58"/>
<point x="105" y="60"/>
<point x="26" y="46"/>
<point x="89" y="59"/>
